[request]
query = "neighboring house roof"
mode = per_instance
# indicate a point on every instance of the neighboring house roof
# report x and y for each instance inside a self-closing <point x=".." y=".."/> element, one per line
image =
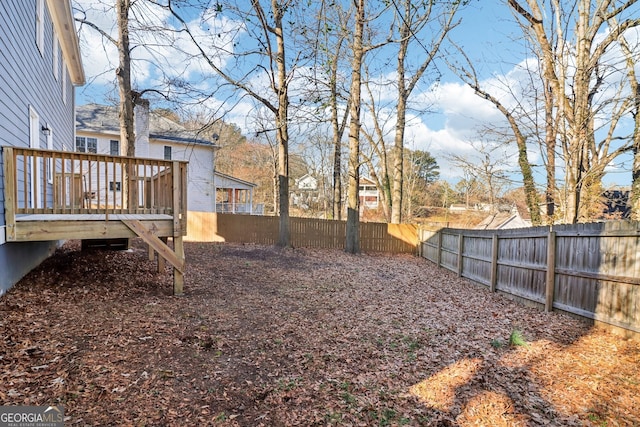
<point x="503" y="220"/>
<point x="224" y="181"/>
<point x="63" y="22"/>
<point x="307" y="182"/>
<point x="366" y="181"/>
<point x="104" y="119"/>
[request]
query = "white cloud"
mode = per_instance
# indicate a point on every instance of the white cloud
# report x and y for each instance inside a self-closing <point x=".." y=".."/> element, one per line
<point x="154" y="53"/>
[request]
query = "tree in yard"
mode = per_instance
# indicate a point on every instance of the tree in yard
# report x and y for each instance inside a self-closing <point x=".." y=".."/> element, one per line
<point x="415" y="22"/>
<point x="469" y="76"/>
<point x="631" y="61"/>
<point x="577" y="64"/>
<point x="420" y="171"/>
<point x="125" y="113"/>
<point x="328" y="42"/>
<point x="265" y="26"/>
<point x="352" y="243"/>
<point x="487" y="168"/>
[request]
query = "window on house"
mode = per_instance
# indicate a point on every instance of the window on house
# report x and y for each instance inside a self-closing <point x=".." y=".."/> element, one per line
<point x="40" y="25"/>
<point x="86" y="145"/>
<point x="167" y="152"/>
<point x="56" y="57"/>
<point x="114" y="147"/>
<point x="114" y="186"/>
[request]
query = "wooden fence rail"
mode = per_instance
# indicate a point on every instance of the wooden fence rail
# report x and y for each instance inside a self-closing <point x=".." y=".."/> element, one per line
<point x="591" y="270"/>
<point x="305" y="232"/>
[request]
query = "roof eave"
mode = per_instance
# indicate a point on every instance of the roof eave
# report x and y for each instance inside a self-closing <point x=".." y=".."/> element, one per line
<point x="63" y="22"/>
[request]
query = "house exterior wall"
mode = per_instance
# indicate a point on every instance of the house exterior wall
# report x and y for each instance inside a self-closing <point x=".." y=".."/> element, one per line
<point x="28" y="86"/>
<point x="201" y="195"/>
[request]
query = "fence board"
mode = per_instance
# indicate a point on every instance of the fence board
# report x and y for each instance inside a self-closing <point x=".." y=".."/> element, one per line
<point x="595" y="269"/>
<point x="305" y="232"/>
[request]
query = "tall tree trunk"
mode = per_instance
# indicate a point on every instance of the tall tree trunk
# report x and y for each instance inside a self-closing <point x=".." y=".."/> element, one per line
<point x="125" y="111"/>
<point x="352" y="244"/>
<point x="123" y="72"/>
<point x="282" y="128"/>
<point x="398" y="143"/>
<point x="634" y="83"/>
<point x="550" y="142"/>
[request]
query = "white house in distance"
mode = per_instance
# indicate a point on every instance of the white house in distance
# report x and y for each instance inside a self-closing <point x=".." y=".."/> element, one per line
<point x="157" y="137"/>
<point x="39" y="67"/>
<point x="369" y="196"/>
<point x="305" y="191"/>
<point x="234" y="195"/>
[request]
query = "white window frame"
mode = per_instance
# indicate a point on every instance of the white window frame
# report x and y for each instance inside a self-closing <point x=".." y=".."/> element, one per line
<point x="40" y="26"/>
<point x="85" y="144"/>
<point x="170" y="151"/>
<point x="111" y="141"/>
<point x="56" y="57"/>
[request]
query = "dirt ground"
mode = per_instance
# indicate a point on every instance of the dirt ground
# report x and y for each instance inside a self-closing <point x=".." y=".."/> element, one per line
<point x="267" y="336"/>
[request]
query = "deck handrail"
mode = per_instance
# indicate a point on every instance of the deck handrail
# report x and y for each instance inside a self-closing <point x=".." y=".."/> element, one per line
<point x="64" y="182"/>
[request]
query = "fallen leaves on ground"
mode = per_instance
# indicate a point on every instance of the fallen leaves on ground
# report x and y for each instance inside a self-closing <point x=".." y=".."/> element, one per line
<point x="269" y="336"/>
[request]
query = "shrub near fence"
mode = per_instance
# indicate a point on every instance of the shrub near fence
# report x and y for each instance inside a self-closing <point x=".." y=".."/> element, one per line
<point x="305" y="232"/>
<point x="594" y="269"/>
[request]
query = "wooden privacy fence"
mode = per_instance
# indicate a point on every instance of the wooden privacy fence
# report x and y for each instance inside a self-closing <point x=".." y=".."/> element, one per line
<point x="592" y="270"/>
<point x="305" y="232"/>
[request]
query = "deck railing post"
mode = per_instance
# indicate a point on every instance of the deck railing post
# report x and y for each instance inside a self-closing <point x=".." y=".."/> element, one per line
<point x="10" y="196"/>
<point x="178" y="246"/>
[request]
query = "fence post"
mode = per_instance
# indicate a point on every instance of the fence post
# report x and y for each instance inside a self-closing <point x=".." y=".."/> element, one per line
<point x="460" y="248"/>
<point x="439" y="251"/>
<point x="494" y="262"/>
<point x="551" y="270"/>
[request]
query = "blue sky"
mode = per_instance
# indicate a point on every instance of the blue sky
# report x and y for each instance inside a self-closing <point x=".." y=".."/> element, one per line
<point x="451" y="125"/>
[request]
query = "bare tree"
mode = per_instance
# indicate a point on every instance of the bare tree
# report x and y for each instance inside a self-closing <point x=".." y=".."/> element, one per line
<point x="631" y="61"/>
<point x="269" y="34"/>
<point x="469" y="75"/>
<point x="352" y="242"/>
<point x="329" y="43"/>
<point x="489" y="167"/>
<point x="576" y="72"/>
<point x="412" y="17"/>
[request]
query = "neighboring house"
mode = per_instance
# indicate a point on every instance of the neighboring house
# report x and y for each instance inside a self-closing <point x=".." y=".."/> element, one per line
<point x="306" y="183"/>
<point x="234" y="195"/>
<point x="157" y="137"/>
<point x="39" y="66"/>
<point x="305" y="191"/>
<point x="502" y="220"/>
<point x="369" y="196"/>
<point x="456" y="207"/>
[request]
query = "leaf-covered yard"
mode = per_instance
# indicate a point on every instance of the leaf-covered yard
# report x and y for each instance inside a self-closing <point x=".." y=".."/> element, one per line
<point x="267" y="336"/>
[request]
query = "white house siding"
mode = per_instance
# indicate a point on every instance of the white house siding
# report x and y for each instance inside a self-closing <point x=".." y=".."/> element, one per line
<point x="27" y="82"/>
<point x="200" y="190"/>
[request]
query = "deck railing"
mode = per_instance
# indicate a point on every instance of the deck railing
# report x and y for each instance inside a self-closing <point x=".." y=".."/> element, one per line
<point x="62" y="182"/>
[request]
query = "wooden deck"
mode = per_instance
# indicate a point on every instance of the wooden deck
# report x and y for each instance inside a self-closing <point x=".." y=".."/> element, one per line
<point x="59" y="195"/>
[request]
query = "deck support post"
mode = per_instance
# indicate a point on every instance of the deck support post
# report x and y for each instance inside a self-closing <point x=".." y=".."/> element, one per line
<point x="178" y="276"/>
<point x="161" y="261"/>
